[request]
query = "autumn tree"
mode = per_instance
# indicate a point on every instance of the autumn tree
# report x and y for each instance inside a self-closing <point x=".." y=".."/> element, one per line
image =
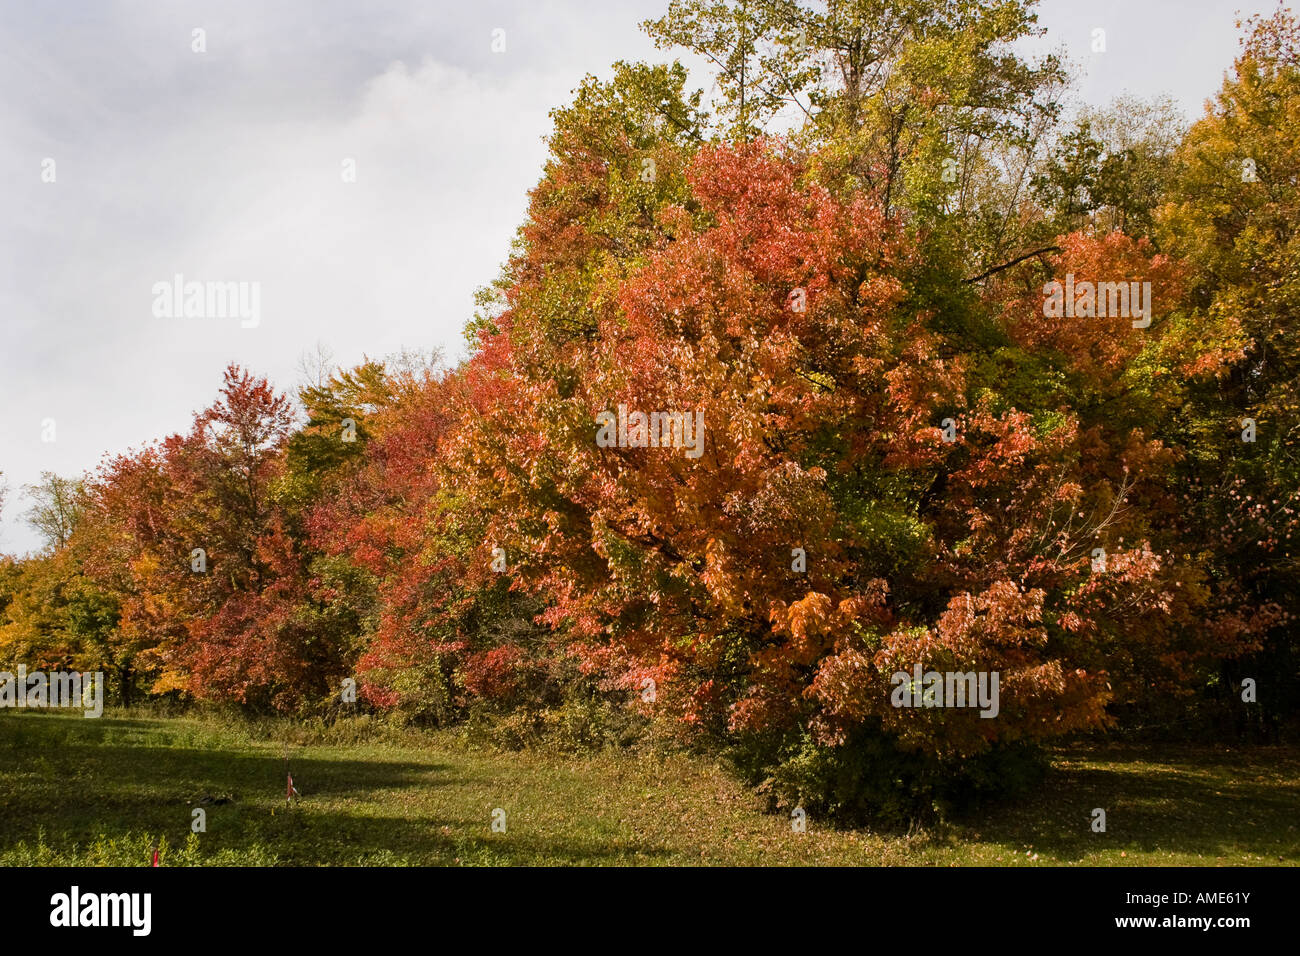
<point x="1231" y="213"/>
<point x="752" y="424"/>
<point x="191" y="535"/>
<point x="830" y="534"/>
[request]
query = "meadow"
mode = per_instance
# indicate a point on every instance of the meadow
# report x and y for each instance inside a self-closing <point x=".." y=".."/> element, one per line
<point x="105" y="792"/>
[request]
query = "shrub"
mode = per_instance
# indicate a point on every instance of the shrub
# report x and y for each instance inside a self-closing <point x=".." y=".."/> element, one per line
<point x="870" y="779"/>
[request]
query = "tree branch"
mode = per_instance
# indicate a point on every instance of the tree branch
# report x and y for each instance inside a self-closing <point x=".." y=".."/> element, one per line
<point x="1014" y="262"/>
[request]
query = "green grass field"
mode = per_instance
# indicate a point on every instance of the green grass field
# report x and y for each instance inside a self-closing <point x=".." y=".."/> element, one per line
<point x="77" y="791"/>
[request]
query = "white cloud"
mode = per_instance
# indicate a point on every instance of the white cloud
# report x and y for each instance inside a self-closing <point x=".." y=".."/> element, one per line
<point x="226" y="167"/>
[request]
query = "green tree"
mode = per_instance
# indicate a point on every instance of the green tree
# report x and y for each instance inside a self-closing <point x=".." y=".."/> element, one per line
<point x="895" y="87"/>
<point x="57" y="505"/>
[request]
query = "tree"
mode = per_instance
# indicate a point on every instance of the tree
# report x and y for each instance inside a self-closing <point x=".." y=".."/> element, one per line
<point x="315" y="367"/>
<point x="1069" y="185"/>
<point x="57" y="504"/>
<point x="194" y="541"/>
<point x="1231" y="213"/>
<point x="893" y="88"/>
<point x="793" y="318"/>
<point x="1111" y="169"/>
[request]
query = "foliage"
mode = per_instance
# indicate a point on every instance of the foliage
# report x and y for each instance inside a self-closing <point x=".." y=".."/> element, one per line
<point x="904" y="458"/>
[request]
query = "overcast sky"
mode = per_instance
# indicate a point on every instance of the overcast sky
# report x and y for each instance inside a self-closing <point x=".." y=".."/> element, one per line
<point x="226" y="165"/>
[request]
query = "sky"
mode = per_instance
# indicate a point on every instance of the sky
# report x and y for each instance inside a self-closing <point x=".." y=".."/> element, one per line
<point x="228" y="165"/>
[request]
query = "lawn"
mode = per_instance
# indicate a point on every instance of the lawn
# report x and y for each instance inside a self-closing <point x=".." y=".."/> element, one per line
<point x="78" y="791"/>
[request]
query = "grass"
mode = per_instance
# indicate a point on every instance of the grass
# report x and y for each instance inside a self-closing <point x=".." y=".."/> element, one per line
<point x="102" y="792"/>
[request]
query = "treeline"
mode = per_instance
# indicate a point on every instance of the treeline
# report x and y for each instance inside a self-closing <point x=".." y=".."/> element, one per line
<point x="908" y="456"/>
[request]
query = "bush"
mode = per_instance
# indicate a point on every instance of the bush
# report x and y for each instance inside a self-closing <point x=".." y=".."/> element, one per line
<point x="585" y="718"/>
<point x="869" y="779"/>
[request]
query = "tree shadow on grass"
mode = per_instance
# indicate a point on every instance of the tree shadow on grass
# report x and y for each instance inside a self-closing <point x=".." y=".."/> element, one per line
<point x="73" y="784"/>
<point x="82" y="781"/>
<point x="1212" y="804"/>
